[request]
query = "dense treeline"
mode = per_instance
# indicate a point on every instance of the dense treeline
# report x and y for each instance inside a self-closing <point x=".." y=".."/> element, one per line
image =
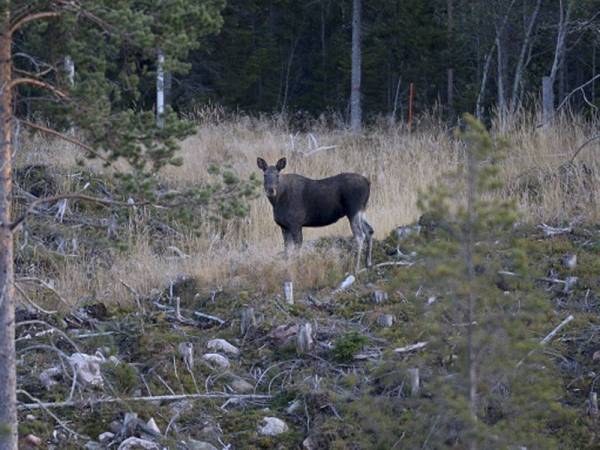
<point x="275" y="55"/>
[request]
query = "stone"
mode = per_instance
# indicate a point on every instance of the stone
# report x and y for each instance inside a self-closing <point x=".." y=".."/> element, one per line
<point x="105" y="437"/>
<point x="217" y="360"/>
<point x="221" y="345"/>
<point x="272" y="426"/>
<point x="241" y="386"/>
<point x="134" y="443"/>
<point x="48" y="377"/>
<point x="151" y="425"/>
<point x="191" y="444"/>
<point x="87" y="368"/>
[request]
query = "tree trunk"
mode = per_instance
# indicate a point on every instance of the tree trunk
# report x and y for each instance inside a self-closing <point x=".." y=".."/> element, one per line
<point x="355" y="106"/>
<point x="547" y="100"/>
<point x="8" y="378"/>
<point x="160" y="89"/>
<point x="450" y="70"/>
<point x="523" y="60"/>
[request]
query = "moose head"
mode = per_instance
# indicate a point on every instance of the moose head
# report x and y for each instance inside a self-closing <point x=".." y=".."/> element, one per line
<point x="271" y="175"/>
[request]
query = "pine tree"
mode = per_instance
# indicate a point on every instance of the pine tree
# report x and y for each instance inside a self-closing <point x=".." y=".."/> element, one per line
<point x="113" y="45"/>
<point x="490" y="389"/>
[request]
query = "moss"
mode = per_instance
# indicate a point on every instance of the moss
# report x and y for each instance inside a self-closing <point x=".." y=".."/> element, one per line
<point x="123" y="377"/>
<point x="347" y="346"/>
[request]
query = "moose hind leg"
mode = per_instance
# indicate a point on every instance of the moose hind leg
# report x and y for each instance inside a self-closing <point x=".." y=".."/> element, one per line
<point x="359" y="237"/>
<point x="368" y="229"/>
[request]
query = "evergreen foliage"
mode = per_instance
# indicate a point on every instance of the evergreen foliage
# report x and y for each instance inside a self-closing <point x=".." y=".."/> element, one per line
<point x="487" y="330"/>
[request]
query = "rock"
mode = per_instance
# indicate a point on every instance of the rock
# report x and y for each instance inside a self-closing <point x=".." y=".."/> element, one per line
<point x="210" y="432"/>
<point x="385" y="320"/>
<point x="30" y="417"/>
<point x="570" y="282"/>
<point x="151" y="425"/>
<point x="221" y="345"/>
<point x="272" y="426"/>
<point x="87" y="368"/>
<point x="191" y="444"/>
<point x="570" y="261"/>
<point x="378" y="296"/>
<point x="106" y="437"/>
<point x="31" y="441"/>
<point x="404" y="232"/>
<point x="134" y="443"/>
<point x="348" y="281"/>
<point x="283" y="333"/>
<point x="217" y="360"/>
<point x="48" y="377"/>
<point x="241" y="386"/>
<point x="93" y="445"/>
<point x="307" y="444"/>
<point x="293" y="406"/>
<point x="304" y="339"/>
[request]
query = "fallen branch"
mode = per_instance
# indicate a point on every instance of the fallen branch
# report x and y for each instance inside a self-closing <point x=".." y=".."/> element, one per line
<point x="21" y="291"/>
<point x="548" y="337"/>
<point x="156" y="398"/>
<point x="582" y="146"/>
<point x="554" y="231"/>
<point x="386" y="264"/>
<point x="553" y="333"/>
<point x="410" y="348"/>
<point x="39" y="405"/>
<point x="47" y="286"/>
<point x="209" y="317"/>
<point x="46" y="324"/>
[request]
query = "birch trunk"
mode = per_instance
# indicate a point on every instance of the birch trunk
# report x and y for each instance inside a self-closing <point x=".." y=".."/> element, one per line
<point x="355" y="106"/>
<point x="160" y="89"/>
<point x="8" y="379"/>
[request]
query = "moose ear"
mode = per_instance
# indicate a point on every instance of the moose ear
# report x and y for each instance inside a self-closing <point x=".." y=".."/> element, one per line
<point x="281" y="164"/>
<point x="262" y="164"/>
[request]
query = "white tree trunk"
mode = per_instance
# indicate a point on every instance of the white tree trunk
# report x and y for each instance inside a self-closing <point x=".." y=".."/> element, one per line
<point x="160" y="89"/>
<point x="355" y="105"/>
<point x="70" y="69"/>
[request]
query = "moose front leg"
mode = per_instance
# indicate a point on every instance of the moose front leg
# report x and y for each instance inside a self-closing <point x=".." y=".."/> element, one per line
<point x="297" y="236"/>
<point x="288" y="241"/>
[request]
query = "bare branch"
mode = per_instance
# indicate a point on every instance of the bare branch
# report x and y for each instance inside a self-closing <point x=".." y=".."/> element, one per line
<point x="97" y="401"/>
<point x="72" y="196"/>
<point x="32" y="17"/>
<point x="64" y="137"/>
<point x="38" y="83"/>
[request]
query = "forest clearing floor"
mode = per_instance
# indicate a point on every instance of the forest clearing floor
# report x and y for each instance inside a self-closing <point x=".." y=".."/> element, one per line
<point x="350" y="389"/>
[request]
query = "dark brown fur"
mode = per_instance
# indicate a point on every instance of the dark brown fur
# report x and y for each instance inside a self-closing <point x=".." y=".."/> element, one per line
<point x="303" y="202"/>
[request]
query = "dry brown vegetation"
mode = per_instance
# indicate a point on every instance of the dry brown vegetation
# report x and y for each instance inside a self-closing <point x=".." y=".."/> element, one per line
<point x="400" y="164"/>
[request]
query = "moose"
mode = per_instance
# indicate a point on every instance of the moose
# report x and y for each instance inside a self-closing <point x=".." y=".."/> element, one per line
<point x="303" y="202"/>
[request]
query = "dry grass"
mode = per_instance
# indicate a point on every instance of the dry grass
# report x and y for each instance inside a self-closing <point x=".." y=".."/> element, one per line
<point x="399" y="164"/>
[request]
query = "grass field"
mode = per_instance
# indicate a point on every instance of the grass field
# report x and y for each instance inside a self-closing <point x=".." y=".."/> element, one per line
<point x="400" y="164"/>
